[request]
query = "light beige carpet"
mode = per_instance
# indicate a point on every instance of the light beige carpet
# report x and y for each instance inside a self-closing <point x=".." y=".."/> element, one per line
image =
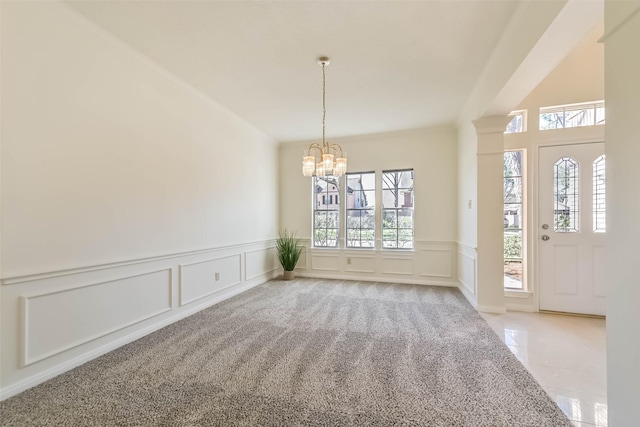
<point x="306" y="352"/>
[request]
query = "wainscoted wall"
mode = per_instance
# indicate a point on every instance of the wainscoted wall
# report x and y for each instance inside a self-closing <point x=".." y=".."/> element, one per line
<point x="467" y="272"/>
<point x="431" y="263"/>
<point x="56" y="321"/>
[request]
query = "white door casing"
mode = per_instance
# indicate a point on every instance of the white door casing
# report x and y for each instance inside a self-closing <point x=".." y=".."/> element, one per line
<point x="571" y="252"/>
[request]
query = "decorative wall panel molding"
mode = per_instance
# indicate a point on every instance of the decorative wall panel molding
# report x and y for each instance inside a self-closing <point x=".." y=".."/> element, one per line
<point x="360" y="264"/>
<point x="259" y="261"/>
<point x="431" y="262"/>
<point x="325" y="262"/>
<point x="57" y="321"/>
<point x="436" y="263"/>
<point x="393" y="265"/>
<point x="467" y="258"/>
<point x="203" y="278"/>
<point x="302" y="262"/>
<point x="598" y="274"/>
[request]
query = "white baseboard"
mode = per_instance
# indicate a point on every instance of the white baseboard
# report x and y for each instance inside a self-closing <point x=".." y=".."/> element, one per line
<point x="491" y="309"/>
<point x="406" y="281"/>
<point x="520" y="307"/>
<point x="467" y="294"/>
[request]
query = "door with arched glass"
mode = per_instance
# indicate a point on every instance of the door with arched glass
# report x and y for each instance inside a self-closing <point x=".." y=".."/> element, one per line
<point x="571" y="228"/>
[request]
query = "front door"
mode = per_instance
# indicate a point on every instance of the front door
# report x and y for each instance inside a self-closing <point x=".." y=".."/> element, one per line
<point x="571" y="228"/>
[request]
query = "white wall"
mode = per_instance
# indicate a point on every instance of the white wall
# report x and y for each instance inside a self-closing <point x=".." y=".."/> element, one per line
<point x="578" y="78"/>
<point x="467" y="188"/>
<point x="622" y="26"/>
<point x="120" y="184"/>
<point x="431" y="153"/>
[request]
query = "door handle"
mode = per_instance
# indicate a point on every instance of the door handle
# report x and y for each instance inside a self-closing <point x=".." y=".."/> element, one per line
<point x="545" y="237"/>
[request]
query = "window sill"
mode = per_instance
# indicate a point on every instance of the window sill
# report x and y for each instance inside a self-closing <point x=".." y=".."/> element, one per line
<point x="386" y="251"/>
<point x="517" y="293"/>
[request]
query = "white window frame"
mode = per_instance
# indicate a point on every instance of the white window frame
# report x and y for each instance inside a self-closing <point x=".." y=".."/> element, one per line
<point x="523" y="221"/>
<point x="397" y="209"/>
<point x="321" y="205"/>
<point x="361" y="211"/>
<point x="597" y="107"/>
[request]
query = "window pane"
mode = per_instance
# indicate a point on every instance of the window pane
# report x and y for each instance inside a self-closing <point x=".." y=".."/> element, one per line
<point x="326" y="221"/>
<point x="516" y="125"/>
<point x="513" y="216"/>
<point x="566" y="195"/>
<point x="360" y="210"/>
<point x="405" y="218"/>
<point x="389" y="238"/>
<point x="513" y="259"/>
<point x="353" y="219"/>
<point x="513" y="212"/>
<point x="600" y="119"/>
<point x="320" y="220"/>
<point x="599" y="192"/>
<point x="577" y="117"/>
<point x="368" y="219"/>
<point x="551" y="121"/>
<point x="397" y="213"/>
<point x="390" y="218"/>
<point x="574" y="115"/>
<point x="513" y="190"/>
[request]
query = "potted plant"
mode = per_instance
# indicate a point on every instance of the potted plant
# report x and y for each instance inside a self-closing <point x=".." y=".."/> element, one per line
<point x="289" y="250"/>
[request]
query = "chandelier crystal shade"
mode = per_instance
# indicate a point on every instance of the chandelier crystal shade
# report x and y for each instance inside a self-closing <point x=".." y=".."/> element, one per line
<point x="324" y="159"/>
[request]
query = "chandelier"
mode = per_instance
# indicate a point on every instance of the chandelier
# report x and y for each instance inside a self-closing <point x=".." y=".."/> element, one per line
<point x="332" y="161"/>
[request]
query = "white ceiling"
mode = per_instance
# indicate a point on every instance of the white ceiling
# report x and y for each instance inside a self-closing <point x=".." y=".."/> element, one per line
<point x="394" y="64"/>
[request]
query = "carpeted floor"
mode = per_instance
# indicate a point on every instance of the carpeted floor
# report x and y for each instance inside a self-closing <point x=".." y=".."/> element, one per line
<point x="306" y="352"/>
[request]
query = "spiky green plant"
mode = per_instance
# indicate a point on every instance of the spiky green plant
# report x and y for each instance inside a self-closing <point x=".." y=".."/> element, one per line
<point x="289" y="249"/>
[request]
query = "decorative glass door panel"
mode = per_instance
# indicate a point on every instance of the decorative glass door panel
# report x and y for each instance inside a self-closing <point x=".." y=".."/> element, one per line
<point x="571" y="228"/>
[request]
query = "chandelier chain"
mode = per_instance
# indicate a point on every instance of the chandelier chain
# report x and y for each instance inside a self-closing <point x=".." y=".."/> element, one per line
<point x="332" y="161"/>
<point x="324" y="107"/>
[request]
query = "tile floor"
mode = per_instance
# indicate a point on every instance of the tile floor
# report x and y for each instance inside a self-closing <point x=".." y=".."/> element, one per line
<point x="566" y="355"/>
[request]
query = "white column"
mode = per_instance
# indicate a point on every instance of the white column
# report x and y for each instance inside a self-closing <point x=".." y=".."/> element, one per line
<point x="622" y="147"/>
<point x="490" y="263"/>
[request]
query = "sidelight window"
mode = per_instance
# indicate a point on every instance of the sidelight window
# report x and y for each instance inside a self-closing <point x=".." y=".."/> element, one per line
<point x="513" y="218"/>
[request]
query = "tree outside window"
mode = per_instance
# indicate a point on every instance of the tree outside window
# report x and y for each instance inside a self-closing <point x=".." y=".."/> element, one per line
<point x="397" y="209"/>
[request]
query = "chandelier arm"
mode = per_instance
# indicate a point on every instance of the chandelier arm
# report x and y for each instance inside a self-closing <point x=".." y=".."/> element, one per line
<point x="337" y="147"/>
<point x="315" y="146"/>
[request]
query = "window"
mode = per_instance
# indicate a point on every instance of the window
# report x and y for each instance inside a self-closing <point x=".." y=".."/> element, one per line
<point x="513" y="220"/>
<point x="599" y="191"/>
<point x="572" y="115"/>
<point x="566" y="196"/>
<point x="518" y="123"/>
<point x="326" y="214"/>
<point x="397" y="209"/>
<point x="360" y="210"/>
